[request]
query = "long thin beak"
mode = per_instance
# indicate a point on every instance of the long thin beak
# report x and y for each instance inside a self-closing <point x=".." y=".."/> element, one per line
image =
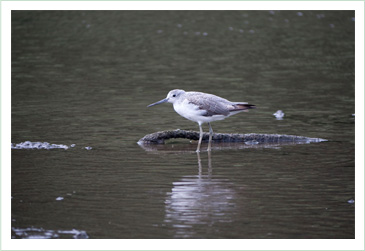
<point x="159" y="102"/>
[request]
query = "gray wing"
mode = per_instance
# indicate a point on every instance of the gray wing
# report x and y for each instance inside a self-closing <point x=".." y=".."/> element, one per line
<point x="213" y="105"/>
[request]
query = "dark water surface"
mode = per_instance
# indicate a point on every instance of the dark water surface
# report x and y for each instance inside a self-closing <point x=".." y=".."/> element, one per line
<point x="86" y="77"/>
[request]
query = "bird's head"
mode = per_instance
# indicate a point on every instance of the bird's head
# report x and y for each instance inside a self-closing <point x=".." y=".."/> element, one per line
<point x="171" y="97"/>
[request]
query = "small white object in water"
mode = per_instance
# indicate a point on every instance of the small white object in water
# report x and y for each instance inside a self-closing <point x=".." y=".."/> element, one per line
<point x="351" y="201"/>
<point x="300" y="14"/>
<point x="279" y="114"/>
<point x="88" y="148"/>
<point x="72" y="145"/>
<point x="251" y="142"/>
<point x="59" y="198"/>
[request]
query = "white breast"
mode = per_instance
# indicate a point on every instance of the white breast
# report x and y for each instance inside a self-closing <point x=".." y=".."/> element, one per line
<point x="188" y="110"/>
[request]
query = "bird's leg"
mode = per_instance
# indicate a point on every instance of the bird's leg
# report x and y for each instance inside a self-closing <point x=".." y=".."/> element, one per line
<point x="210" y="137"/>
<point x="200" y="137"/>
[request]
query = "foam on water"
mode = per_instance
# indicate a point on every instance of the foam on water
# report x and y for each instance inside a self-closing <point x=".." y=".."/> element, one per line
<point x="37" y="145"/>
<point x="40" y="233"/>
<point x="42" y="145"/>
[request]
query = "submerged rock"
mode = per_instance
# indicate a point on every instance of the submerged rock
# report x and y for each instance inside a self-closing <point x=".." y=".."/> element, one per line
<point x="160" y="137"/>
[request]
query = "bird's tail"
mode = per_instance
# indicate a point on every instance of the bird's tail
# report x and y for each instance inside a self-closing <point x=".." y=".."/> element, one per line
<point x="242" y="107"/>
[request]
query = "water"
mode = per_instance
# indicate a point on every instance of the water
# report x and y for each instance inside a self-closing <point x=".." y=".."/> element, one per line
<point x="83" y="80"/>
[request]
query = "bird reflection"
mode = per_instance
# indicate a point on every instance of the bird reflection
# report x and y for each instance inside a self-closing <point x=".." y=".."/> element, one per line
<point x="199" y="200"/>
<point x="209" y="165"/>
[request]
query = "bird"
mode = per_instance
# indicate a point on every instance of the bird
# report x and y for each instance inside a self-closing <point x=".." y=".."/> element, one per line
<point x="202" y="108"/>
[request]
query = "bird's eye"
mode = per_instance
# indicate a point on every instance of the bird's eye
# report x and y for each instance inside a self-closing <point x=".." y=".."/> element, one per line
<point x="174" y="95"/>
